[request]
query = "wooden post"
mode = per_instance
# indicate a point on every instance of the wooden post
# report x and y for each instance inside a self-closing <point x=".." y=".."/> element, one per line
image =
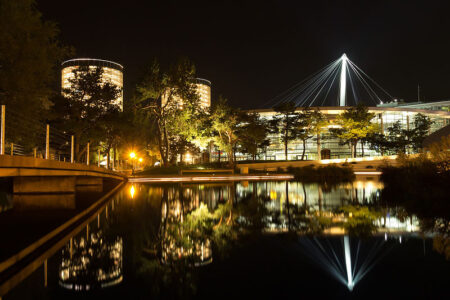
<point x="72" y="148"/>
<point x="35" y="152"/>
<point x="2" y="143"/>
<point x="98" y="156"/>
<point x="47" y="143"/>
<point x="12" y="149"/>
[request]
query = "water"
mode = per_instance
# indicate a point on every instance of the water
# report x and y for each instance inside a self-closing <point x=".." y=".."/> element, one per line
<point x="247" y="239"/>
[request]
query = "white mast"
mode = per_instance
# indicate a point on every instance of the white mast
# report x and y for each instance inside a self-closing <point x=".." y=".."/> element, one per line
<point x="343" y="81"/>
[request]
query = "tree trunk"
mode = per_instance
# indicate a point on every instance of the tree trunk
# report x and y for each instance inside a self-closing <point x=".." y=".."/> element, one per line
<point x="286" y="149"/>
<point x="319" y="156"/>
<point x="362" y="149"/>
<point x="218" y="156"/>
<point x="108" y="158"/>
<point x="115" y="156"/>
<point x="160" y="146"/>
<point x="304" y="149"/>
<point x="355" y="143"/>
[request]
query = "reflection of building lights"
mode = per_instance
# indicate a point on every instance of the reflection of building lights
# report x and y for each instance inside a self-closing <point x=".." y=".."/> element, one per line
<point x="91" y="262"/>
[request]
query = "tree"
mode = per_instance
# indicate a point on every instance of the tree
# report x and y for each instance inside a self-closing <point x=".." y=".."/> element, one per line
<point x="422" y="125"/>
<point x="29" y="59"/>
<point x="252" y="134"/>
<point x="287" y="123"/>
<point x="305" y="128"/>
<point x="225" y="122"/>
<point x="399" y="139"/>
<point x="319" y="123"/>
<point x="355" y="124"/>
<point x="83" y="107"/>
<point x="172" y="102"/>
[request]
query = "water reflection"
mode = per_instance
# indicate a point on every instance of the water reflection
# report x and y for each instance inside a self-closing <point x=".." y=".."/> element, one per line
<point x="168" y="232"/>
<point x="92" y="259"/>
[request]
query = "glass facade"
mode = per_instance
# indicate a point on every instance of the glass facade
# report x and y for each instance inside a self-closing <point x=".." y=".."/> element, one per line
<point x="384" y="116"/>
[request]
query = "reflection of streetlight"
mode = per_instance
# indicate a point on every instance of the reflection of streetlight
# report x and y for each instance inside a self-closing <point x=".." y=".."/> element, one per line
<point x="132" y="191"/>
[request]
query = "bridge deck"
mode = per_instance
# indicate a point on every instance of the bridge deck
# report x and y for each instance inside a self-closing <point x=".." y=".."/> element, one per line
<point x="18" y="166"/>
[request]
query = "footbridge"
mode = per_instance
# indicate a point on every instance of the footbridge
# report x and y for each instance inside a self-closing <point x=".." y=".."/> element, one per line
<point x="37" y="175"/>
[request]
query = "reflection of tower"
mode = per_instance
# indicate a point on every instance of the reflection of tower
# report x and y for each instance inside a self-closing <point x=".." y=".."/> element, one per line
<point x="91" y="261"/>
<point x="176" y="243"/>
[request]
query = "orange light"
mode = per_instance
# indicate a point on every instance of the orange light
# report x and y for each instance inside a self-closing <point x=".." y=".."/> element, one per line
<point x="140" y="159"/>
<point x="132" y="191"/>
<point x="132" y="155"/>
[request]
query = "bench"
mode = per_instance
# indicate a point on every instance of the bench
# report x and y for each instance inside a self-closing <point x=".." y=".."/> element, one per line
<point x="207" y="171"/>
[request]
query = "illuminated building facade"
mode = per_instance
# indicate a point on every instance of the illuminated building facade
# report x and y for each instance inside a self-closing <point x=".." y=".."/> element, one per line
<point x="112" y="72"/>
<point x="385" y="116"/>
<point x="203" y="89"/>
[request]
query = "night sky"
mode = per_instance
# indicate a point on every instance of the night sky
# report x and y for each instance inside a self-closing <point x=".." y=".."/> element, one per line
<point x="252" y="51"/>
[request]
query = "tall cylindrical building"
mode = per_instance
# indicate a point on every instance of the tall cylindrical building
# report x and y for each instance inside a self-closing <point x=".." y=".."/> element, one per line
<point x="112" y="72"/>
<point x="203" y="91"/>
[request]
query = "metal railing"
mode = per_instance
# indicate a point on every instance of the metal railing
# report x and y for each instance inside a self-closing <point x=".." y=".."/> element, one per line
<point x="49" y="142"/>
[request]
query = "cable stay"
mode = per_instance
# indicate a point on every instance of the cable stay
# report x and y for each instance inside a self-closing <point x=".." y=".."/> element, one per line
<point x="322" y="88"/>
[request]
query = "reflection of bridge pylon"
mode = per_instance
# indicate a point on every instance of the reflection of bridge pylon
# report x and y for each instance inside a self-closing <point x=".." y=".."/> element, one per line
<point x="339" y="262"/>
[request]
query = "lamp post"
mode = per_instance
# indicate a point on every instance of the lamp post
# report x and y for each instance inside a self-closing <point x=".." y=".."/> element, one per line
<point x="132" y="156"/>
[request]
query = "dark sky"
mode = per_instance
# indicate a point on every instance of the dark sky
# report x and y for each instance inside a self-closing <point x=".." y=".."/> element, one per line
<point x="252" y="51"/>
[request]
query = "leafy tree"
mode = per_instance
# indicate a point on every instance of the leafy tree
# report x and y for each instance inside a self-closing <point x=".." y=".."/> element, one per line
<point x="287" y="123"/>
<point x="172" y="102"/>
<point x="355" y="124"/>
<point x="399" y="139"/>
<point x="318" y="125"/>
<point x="252" y="134"/>
<point x="82" y="108"/>
<point x="422" y="125"/>
<point x="305" y="128"/>
<point x="29" y="58"/>
<point x="225" y="121"/>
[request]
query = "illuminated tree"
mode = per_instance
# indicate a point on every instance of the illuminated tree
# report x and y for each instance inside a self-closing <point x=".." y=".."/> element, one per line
<point x="172" y="102"/>
<point x="225" y="121"/>
<point x="318" y="126"/>
<point x="355" y="124"/>
<point x="252" y="134"/>
<point x="83" y="107"/>
<point x="286" y="122"/>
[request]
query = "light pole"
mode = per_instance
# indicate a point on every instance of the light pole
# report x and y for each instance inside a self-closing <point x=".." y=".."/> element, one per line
<point x="132" y="156"/>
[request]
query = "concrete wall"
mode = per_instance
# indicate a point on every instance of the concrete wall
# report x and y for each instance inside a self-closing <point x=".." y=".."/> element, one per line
<point x="60" y="184"/>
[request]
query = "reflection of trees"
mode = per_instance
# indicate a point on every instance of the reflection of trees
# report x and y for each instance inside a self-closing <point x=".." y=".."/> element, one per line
<point x="188" y="227"/>
<point x="421" y="187"/>
<point x="92" y="261"/>
<point x="360" y="220"/>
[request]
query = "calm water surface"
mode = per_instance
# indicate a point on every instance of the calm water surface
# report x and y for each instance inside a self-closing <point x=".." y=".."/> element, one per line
<point x="247" y="239"/>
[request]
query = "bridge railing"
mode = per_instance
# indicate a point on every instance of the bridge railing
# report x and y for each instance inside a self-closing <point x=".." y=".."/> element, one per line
<point x="21" y="136"/>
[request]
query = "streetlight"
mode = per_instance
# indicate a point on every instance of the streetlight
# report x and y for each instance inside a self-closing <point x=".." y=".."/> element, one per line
<point x="132" y="156"/>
